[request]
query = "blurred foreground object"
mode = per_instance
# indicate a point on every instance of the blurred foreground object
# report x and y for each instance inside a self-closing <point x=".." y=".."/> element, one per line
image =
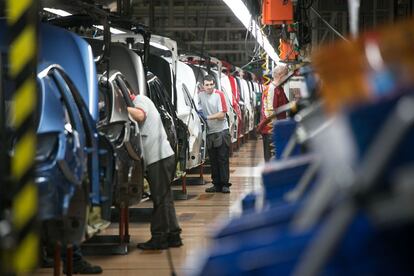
<point x="373" y="65"/>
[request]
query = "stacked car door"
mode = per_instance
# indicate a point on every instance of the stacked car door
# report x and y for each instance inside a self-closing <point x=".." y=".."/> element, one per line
<point x="231" y="113"/>
<point x="78" y="63"/>
<point x="123" y="133"/>
<point x="226" y="88"/>
<point x="236" y="105"/>
<point x="187" y="112"/>
<point x="243" y="105"/>
<point x="61" y="170"/>
<point x="130" y="65"/>
<point x="116" y="124"/>
<point x="161" y="82"/>
<point x="252" y="98"/>
<point x="73" y="76"/>
<point x="159" y="96"/>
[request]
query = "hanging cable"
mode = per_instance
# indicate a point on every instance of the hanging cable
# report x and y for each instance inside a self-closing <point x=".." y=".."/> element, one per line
<point x="202" y="54"/>
<point x="329" y="25"/>
<point x="265" y="67"/>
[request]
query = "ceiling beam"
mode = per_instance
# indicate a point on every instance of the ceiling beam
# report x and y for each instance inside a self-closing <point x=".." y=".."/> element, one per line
<point x="218" y="42"/>
<point x="227" y="51"/>
<point x="189" y="28"/>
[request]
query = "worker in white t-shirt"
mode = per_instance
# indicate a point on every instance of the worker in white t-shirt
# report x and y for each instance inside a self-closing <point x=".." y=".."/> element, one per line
<point x="160" y="165"/>
<point x="213" y="107"/>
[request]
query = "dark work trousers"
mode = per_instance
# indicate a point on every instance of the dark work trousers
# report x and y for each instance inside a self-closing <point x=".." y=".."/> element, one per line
<point x="267" y="147"/>
<point x="219" y="159"/>
<point x="77" y="254"/>
<point x="49" y="248"/>
<point x="164" y="220"/>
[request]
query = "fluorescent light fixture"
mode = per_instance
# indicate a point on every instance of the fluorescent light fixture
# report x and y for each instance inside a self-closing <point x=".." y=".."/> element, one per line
<point x="353" y="8"/>
<point x="65" y="13"/>
<point x="242" y="13"/>
<point x="113" y="30"/>
<point x="159" y="46"/>
<point x="57" y="12"/>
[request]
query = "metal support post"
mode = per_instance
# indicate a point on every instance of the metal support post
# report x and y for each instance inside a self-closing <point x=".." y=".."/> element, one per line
<point x="56" y="259"/>
<point x="69" y="260"/>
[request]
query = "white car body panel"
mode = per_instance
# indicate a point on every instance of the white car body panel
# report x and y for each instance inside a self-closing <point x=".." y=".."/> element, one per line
<point x="226" y="87"/>
<point x="186" y="83"/>
<point x="246" y="96"/>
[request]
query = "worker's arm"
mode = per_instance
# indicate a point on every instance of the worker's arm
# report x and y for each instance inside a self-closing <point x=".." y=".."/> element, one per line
<point x="137" y="114"/>
<point x="222" y="108"/>
<point x="217" y="116"/>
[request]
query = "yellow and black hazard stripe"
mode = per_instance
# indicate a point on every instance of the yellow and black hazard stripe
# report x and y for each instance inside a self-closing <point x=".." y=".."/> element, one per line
<point x="22" y="28"/>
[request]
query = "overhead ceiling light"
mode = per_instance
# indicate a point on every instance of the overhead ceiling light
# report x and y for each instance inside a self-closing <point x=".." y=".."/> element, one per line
<point x="57" y="12"/>
<point x="113" y="30"/>
<point x="159" y="46"/>
<point x="65" y="13"/>
<point x="242" y="13"/>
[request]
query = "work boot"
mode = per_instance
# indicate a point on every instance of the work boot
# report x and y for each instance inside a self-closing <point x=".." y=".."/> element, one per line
<point x="174" y="240"/>
<point x="213" y="189"/>
<point x="47" y="262"/>
<point x="225" y="190"/>
<point x="84" y="267"/>
<point x="154" y="244"/>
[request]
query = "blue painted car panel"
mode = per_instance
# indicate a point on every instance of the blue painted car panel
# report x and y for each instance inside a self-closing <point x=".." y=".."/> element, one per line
<point x="75" y="56"/>
<point x="60" y="159"/>
<point x="59" y="175"/>
<point x="49" y="104"/>
<point x="64" y="147"/>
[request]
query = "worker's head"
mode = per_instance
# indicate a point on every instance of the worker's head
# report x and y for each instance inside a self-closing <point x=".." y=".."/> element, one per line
<point x="209" y="83"/>
<point x="279" y="72"/>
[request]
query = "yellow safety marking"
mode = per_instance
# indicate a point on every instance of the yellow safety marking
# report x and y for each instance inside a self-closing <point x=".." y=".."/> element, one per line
<point x="22" y="50"/>
<point x="24" y="205"/>
<point x="24" y="102"/>
<point x="26" y="254"/>
<point x="23" y="155"/>
<point x="16" y="8"/>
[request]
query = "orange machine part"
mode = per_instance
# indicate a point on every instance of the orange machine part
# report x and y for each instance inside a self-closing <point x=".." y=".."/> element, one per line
<point x="277" y="12"/>
<point x="287" y="52"/>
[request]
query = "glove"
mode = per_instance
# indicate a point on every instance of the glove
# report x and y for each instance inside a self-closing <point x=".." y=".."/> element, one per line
<point x="202" y="115"/>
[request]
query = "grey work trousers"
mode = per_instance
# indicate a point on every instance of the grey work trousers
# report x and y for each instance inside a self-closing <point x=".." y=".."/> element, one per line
<point x="164" y="219"/>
